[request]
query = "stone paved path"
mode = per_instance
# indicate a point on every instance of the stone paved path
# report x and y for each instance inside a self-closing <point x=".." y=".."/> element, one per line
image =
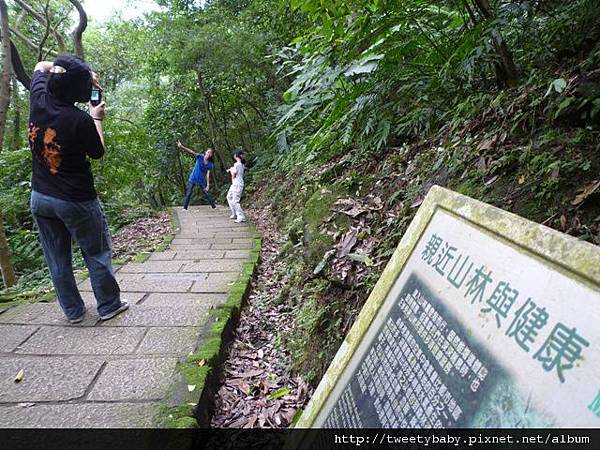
<point x="115" y="374"/>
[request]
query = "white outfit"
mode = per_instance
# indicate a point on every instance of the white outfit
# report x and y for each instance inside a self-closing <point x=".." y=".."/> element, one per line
<point x="235" y="192"/>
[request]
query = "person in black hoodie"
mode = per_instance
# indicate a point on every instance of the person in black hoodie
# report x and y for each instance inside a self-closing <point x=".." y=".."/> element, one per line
<point x="64" y="202"/>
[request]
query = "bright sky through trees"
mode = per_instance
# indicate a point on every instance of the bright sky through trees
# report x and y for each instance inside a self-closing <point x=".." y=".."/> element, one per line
<point x="102" y="10"/>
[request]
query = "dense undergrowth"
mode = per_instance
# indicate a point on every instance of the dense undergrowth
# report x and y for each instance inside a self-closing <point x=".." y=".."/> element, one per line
<point x="351" y="179"/>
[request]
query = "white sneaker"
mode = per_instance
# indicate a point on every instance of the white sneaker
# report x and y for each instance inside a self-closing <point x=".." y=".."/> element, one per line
<point x="240" y="220"/>
<point x="232" y="216"/>
<point x="124" y="307"/>
<point x="78" y="319"/>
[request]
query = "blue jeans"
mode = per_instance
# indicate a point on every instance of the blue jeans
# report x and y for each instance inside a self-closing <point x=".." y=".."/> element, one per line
<point x="190" y="190"/>
<point x="59" y="222"/>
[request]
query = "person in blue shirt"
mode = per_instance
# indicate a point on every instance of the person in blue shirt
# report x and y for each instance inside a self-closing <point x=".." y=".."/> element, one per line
<point x="200" y="175"/>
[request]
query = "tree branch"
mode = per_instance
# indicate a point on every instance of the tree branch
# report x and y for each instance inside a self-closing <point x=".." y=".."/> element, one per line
<point x="46" y="33"/>
<point x="251" y="105"/>
<point x="6" y="71"/>
<point x="6" y="267"/>
<point x="78" y="32"/>
<point x="59" y="40"/>
<point x="15" y="142"/>
<point x="30" y="43"/>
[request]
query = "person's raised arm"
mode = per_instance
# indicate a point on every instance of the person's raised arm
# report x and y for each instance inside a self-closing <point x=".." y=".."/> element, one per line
<point x="185" y="149"/>
<point x="233" y="172"/>
<point x="43" y="66"/>
<point x="39" y="80"/>
<point x="97" y="113"/>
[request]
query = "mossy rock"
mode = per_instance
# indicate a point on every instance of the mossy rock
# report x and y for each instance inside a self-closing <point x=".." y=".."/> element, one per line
<point x="295" y="231"/>
<point x="317" y="210"/>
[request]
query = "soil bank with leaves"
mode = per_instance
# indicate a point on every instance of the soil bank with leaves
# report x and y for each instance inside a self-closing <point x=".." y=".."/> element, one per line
<point x="532" y="148"/>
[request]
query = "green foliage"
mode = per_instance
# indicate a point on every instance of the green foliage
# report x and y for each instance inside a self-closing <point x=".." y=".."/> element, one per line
<point x="315" y="319"/>
<point x="215" y="90"/>
<point x="316" y="92"/>
<point x="420" y="85"/>
<point x="369" y="72"/>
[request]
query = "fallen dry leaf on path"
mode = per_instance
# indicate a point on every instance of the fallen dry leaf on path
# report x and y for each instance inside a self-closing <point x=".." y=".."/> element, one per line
<point x="20" y="376"/>
<point x="487" y="144"/>
<point x="350" y="207"/>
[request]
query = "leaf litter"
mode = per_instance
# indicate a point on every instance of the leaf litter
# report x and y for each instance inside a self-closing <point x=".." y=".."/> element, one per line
<point x="143" y="234"/>
<point x="258" y="389"/>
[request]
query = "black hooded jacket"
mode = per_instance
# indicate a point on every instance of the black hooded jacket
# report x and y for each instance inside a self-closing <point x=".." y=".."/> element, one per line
<point x="61" y="136"/>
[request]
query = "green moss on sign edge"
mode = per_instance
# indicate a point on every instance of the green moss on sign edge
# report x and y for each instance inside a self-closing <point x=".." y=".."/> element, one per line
<point x="579" y="259"/>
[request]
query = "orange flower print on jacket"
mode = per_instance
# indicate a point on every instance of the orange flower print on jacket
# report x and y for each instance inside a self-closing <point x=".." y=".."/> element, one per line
<point x="33" y="132"/>
<point x="52" y="153"/>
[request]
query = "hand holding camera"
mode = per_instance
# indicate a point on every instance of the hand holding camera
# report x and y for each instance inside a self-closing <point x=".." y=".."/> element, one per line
<point x="98" y="112"/>
<point x="96" y="97"/>
<point x="97" y="106"/>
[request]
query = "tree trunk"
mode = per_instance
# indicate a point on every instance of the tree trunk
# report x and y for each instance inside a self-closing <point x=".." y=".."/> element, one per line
<point x="161" y="198"/>
<point x="506" y="69"/>
<point x="81" y="26"/>
<point x="6" y="70"/>
<point x="225" y="122"/>
<point x="212" y="125"/>
<point x="181" y="177"/>
<point x="15" y="143"/>
<point x="8" y="273"/>
<point x="250" y="129"/>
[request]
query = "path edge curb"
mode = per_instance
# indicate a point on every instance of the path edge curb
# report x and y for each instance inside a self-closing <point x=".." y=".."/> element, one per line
<point x="201" y="371"/>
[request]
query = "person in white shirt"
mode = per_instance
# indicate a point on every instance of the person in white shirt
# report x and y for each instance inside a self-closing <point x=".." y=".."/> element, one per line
<point x="237" y="186"/>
